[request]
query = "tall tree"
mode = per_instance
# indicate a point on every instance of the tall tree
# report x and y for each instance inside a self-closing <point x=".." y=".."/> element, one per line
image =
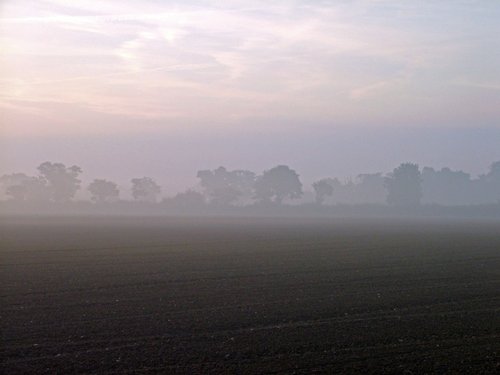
<point x="103" y="191"/>
<point x="404" y="186"/>
<point x="369" y="188"/>
<point x="277" y="184"/>
<point x="447" y="187"/>
<point x="491" y="182"/>
<point x="62" y="181"/>
<point x="494" y="176"/>
<point x="145" y="189"/>
<point x="224" y="187"/>
<point x="322" y="189"/>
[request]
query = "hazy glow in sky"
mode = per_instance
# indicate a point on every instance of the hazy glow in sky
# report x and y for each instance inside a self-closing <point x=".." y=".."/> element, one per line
<point x="165" y="88"/>
<point x="93" y="67"/>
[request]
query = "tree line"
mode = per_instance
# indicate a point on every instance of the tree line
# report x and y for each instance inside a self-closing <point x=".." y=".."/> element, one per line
<point x="406" y="186"/>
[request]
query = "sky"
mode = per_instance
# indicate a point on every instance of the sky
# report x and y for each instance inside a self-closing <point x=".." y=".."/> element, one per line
<point x="164" y="88"/>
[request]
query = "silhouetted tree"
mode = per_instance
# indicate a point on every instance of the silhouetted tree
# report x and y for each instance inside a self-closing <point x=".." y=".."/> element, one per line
<point x="494" y="172"/>
<point x="62" y="181"/>
<point x="224" y="187"/>
<point x="338" y="191"/>
<point x="244" y="182"/>
<point x="277" y="184"/>
<point x="21" y="187"/>
<point x="13" y="185"/>
<point x="103" y="191"/>
<point x="491" y="182"/>
<point x="322" y="189"/>
<point x="145" y="189"/>
<point x="447" y="187"/>
<point x="404" y="186"/>
<point x="370" y="188"/>
<point x="494" y="176"/>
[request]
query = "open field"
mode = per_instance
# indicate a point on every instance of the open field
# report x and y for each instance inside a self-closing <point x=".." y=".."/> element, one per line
<point x="163" y="295"/>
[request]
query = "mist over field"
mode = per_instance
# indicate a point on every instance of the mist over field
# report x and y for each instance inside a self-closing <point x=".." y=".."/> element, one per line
<point x="249" y="187"/>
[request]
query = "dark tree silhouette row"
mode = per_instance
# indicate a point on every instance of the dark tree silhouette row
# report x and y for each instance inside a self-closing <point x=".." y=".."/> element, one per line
<point x="406" y="185"/>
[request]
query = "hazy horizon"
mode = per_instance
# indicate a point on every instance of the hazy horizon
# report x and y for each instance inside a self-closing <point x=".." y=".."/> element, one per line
<point x="343" y="154"/>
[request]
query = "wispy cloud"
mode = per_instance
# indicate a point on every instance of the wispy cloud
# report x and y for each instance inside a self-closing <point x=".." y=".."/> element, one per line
<point x="200" y="61"/>
<point x="364" y="91"/>
<point x="480" y="85"/>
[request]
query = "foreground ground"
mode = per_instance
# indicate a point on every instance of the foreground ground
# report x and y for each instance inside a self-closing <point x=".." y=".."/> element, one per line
<point x="97" y="295"/>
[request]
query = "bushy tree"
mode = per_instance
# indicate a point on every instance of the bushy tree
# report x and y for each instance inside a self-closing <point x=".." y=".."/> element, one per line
<point x="145" y="189"/>
<point x="277" y="184"/>
<point x="494" y="172"/>
<point x="370" y="188"/>
<point x="20" y="187"/>
<point x="494" y="176"/>
<point x="491" y="182"/>
<point x="322" y="189"/>
<point x="63" y="182"/>
<point x="224" y="187"/>
<point x="404" y="186"/>
<point x="103" y="191"/>
<point x="447" y="187"/>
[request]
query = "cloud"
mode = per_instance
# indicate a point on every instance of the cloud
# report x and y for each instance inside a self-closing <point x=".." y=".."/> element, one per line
<point x="203" y="61"/>
<point x="481" y="85"/>
<point x="362" y="92"/>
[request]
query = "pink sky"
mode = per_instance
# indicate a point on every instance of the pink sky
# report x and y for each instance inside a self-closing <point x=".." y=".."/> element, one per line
<point x="92" y="67"/>
<point x="338" y="88"/>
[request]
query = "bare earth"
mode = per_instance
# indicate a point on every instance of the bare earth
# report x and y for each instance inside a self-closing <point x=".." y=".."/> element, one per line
<point x="188" y="296"/>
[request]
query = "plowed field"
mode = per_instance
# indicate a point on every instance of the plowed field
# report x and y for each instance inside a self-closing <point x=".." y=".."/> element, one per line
<point x="189" y="296"/>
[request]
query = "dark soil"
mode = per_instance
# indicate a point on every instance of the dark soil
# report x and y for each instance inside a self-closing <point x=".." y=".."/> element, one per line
<point x="198" y="296"/>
